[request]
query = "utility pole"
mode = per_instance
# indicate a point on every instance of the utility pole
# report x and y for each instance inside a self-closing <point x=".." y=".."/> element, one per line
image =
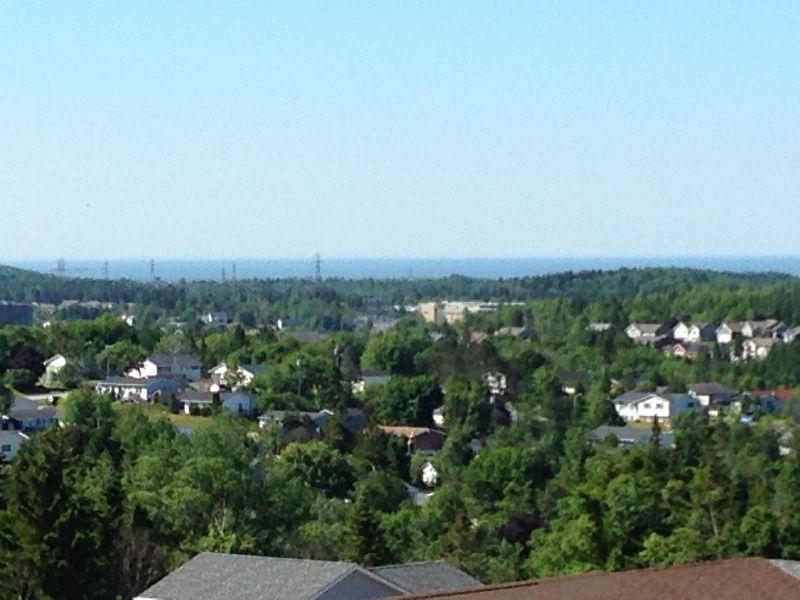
<point x="299" y="364"/>
<point x="152" y="269"/>
<point x="317" y="268"/>
<point x="233" y="269"/>
<point x="223" y="274"/>
<point x="105" y="270"/>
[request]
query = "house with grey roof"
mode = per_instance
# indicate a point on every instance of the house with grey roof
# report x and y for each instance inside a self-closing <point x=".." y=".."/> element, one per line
<point x="211" y="576"/>
<point x="648" y="332"/>
<point x="234" y="403"/>
<point x="163" y="365"/>
<point x="648" y="406"/>
<point x="29" y="415"/>
<point x="135" y="389"/>
<point x="427" y="576"/>
<point x="627" y="437"/>
<point x="711" y="393"/>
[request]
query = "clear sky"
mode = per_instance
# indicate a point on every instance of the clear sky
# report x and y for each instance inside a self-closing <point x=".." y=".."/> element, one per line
<point x="265" y="129"/>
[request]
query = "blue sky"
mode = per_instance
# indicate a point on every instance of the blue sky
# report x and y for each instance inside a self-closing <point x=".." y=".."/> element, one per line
<point x="239" y="129"/>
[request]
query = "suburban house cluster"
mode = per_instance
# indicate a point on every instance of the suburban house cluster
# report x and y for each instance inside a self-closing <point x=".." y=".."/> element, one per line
<point x="710" y="398"/>
<point x="736" y="340"/>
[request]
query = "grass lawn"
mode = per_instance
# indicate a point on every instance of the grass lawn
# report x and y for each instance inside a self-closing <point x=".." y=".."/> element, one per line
<point x="158" y="411"/>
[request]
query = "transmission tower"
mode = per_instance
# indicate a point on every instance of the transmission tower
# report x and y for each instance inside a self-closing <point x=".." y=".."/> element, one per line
<point x="223" y="274"/>
<point x="233" y="271"/>
<point x="152" y="269"/>
<point x="317" y="267"/>
<point x="105" y="270"/>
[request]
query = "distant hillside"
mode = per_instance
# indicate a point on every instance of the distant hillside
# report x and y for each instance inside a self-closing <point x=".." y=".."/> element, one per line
<point x="27" y="286"/>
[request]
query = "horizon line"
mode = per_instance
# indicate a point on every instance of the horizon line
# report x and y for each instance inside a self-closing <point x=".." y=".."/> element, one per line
<point x="311" y="257"/>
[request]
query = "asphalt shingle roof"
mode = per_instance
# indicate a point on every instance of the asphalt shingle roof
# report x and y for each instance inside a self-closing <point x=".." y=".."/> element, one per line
<point x="210" y="576"/>
<point x="430" y="576"/>
<point x="25" y="408"/>
<point x="740" y="579"/>
<point x="179" y="360"/>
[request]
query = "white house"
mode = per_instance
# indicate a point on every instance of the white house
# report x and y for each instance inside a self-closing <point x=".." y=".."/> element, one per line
<point x="791" y="335"/>
<point x="646" y="406"/>
<point x="233" y="403"/>
<point x="53" y="365"/>
<point x="135" y="389"/>
<point x="242" y="377"/>
<point x="11" y="439"/>
<point x="728" y="331"/>
<point x="686" y="331"/>
<point x="161" y="365"/>
<point x="644" y="331"/>
<point x="681" y="331"/>
<point x="758" y="347"/>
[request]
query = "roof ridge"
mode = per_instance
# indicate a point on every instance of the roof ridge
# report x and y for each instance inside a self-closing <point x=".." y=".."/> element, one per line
<point x="411" y="564"/>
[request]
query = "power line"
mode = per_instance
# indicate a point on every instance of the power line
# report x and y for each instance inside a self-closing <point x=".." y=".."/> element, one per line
<point x="317" y="267"/>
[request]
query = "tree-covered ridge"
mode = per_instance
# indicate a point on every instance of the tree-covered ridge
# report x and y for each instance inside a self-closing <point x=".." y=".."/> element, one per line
<point x="21" y="285"/>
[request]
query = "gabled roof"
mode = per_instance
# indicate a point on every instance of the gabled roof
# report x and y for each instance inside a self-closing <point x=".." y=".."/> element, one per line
<point x="211" y="576"/>
<point x="709" y="388"/>
<point x="629" y="435"/>
<point x="629" y="398"/>
<point x="54" y="358"/>
<point x="429" y="576"/>
<point x="25" y="408"/>
<point x="650" y="328"/>
<point x="179" y="360"/>
<point x="739" y="579"/>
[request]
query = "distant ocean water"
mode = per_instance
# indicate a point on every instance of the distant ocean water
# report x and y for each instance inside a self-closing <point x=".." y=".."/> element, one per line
<point x="390" y="268"/>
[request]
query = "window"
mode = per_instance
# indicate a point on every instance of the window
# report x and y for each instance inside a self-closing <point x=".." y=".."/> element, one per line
<point x="659" y="405"/>
<point x="5" y="448"/>
<point x="690" y="405"/>
<point x="647" y="405"/>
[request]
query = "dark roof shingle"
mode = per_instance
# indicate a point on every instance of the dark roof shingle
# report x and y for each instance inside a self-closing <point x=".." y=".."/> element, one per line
<point x="429" y="576"/>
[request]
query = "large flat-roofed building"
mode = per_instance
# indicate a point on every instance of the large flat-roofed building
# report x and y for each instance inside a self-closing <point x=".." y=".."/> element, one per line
<point x="452" y="311"/>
